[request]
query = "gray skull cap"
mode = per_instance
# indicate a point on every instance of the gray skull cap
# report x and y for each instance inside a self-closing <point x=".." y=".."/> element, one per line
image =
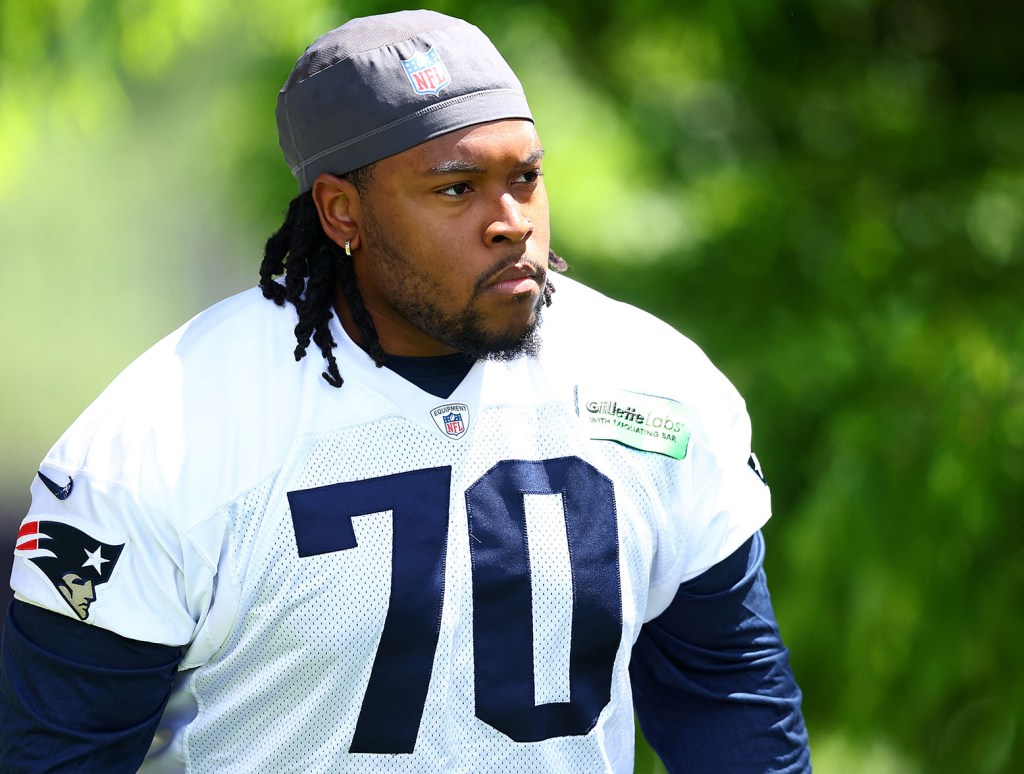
<point x="379" y="85"/>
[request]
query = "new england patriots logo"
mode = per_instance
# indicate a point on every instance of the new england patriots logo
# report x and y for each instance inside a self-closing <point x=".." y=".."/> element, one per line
<point x="426" y="72"/>
<point x="74" y="562"/>
<point x="452" y="419"/>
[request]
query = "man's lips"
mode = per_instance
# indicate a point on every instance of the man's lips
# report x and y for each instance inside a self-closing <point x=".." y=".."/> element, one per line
<point x="515" y="286"/>
<point x="515" y="280"/>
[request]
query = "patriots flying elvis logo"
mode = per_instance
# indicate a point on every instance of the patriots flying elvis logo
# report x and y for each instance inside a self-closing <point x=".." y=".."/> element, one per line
<point x="426" y="72"/>
<point x="74" y="562"/>
<point x="452" y="419"/>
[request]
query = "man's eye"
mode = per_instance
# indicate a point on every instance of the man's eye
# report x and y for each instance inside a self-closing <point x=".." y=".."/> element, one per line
<point x="456" y="189"/>
<point x="529" y="177"/>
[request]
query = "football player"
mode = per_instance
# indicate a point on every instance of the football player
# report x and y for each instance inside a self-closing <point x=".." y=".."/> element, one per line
<point x="487" y="523"/>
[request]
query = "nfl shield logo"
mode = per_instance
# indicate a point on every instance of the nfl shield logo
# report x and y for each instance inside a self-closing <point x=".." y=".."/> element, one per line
<point x="452" y="419"/>
<point x="426" y="72"/>
<point x="453" y="424"/>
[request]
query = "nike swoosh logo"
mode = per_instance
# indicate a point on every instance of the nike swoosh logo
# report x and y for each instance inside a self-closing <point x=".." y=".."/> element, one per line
<point x="60" y="492"/>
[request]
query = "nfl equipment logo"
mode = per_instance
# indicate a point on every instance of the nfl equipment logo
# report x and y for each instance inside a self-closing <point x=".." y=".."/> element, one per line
<point x="453" y="424"/>
<point x="426" y="72"/>
<point x="452" y="419"/>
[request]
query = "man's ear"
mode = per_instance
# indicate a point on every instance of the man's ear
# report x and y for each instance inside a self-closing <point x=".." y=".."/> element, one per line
<point x="338" y="204"/>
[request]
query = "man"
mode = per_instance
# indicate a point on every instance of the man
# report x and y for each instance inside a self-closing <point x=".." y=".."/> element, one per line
<point x="438" y="556"/>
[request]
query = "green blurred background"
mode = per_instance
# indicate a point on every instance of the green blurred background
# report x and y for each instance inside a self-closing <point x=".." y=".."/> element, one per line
<point x="827" y="196"/>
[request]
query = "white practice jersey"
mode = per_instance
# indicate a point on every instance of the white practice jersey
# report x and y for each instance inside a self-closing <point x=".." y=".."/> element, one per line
<point x="373" y="579"/>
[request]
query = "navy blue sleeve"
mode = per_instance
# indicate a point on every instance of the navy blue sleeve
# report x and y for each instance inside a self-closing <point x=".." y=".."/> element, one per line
<point x="712" y="685"/>
<point x="77" y="698"/>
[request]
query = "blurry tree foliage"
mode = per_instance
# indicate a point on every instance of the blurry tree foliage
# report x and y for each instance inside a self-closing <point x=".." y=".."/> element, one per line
<point x="827" y="195"/>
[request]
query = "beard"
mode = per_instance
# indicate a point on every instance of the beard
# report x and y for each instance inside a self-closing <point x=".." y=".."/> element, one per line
<point x="465" y="331"/>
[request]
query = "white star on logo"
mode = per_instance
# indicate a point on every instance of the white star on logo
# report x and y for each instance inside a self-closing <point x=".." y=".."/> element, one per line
<point x="95" y="559"/>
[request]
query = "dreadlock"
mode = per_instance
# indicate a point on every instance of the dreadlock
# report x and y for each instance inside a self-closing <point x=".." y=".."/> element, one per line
<point x="312" y="263"/>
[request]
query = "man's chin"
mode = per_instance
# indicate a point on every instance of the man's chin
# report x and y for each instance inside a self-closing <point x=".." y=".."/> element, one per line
<point x="528" y="346"/>
<point x="504" y="345"/>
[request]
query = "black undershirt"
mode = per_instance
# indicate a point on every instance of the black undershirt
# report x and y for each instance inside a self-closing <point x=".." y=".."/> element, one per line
<point x="439" y="376"/>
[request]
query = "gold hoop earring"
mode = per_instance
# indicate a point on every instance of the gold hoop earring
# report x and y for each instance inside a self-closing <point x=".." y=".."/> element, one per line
<point x="348" y="249"/>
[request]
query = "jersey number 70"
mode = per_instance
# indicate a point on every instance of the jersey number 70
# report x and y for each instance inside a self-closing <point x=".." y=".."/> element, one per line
<point x="418" y="500"/>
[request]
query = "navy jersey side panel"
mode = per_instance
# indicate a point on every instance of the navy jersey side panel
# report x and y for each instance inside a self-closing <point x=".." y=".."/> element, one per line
<point x="712" y="685"/>
<point x="75" y="697"/>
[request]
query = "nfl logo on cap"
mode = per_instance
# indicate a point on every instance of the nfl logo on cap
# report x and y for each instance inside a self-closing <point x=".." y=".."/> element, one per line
<point x="426" y="72"/>
<point x="452" y="419"/>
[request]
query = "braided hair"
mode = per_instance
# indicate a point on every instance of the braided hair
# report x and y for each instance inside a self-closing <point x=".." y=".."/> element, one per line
<point x="312" y="263"/>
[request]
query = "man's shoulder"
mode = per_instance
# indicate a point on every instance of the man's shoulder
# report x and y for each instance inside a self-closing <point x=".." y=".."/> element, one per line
<point x="241" y="322"/>
<point x="583" y="320"/>
<point x="591" y="339"/>
<point x="237" y="335"/>
<point x="226" y="344"/>
<point x="219" y="387"/>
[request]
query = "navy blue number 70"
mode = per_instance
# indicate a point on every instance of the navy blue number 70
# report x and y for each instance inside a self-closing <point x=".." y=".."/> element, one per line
<point x="418" y="500"/>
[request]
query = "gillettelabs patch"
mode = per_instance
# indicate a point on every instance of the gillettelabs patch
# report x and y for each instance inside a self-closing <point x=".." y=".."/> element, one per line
<point x="646" y="422"/>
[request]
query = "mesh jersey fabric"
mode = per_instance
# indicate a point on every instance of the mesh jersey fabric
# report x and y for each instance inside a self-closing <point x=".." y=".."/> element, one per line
<point x="277" y="529"/>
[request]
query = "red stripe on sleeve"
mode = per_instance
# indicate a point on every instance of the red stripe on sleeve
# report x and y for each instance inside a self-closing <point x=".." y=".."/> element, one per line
<point x="28" y="528"/>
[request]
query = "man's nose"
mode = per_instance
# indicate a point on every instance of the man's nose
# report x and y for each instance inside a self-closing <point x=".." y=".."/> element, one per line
<point x="510" y="224"/>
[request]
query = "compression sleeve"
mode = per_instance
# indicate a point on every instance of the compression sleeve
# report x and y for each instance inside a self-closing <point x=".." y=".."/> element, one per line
<point x="712" y="685"/>
<point x="75" y="697"/>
